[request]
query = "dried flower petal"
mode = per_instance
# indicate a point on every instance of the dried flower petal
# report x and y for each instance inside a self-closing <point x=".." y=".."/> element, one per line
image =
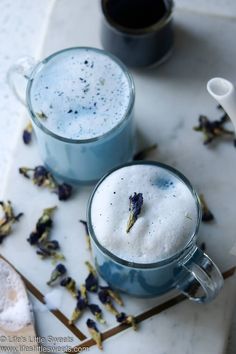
<point x="126" y="319"/>
<point x="97" y="312"/>
<point x="8" y="219"/>
<point x="213" y="129"/>
<point x="105" y="299"/>
<point x="86" y="233"/>
<point x="41" y="177"/>
<point x="91" y="283"/>
<point x="64" y="191"/>
<point x="70" y="285"/>
<point x="206" y="213"/>
<point x="141" y="155"/>
<point x="80" y="307"/>
<point x="136" y="202"/>
<point x="113" y="294"/>
<point x="41" y="115"/>
<point x="58" y="272"/>
<point x="40" y="237"/>
<point x="27" y="134"/>
<point x="94" y="332"/>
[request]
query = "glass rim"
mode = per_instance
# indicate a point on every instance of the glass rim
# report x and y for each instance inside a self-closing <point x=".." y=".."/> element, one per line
<point x="139" y="31"/>
<point x="165" y="261"/>
<point x="96" y="138"/>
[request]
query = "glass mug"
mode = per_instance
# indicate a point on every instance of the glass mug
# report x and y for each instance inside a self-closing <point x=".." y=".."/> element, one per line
<point x="139" y="32"/>
<point x="189" y="270"/>
<point x="70" y="158"/>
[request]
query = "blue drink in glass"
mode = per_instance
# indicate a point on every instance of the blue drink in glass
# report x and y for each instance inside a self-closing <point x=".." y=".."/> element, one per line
<point x="81" y="103"/>
<point x="159" y="251"/>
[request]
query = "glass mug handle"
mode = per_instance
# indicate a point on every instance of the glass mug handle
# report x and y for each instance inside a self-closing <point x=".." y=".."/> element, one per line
<point x="18" y="76"/>
<point x="200" y="274"/>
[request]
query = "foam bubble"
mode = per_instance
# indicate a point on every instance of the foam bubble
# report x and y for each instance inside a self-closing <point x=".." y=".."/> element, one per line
<point x="167" y="220"/>
<point x="14" y="305"/>
<point x="83" y="92"/>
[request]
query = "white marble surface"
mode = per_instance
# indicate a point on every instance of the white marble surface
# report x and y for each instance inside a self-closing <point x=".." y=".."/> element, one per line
<point x="189" y="35"/>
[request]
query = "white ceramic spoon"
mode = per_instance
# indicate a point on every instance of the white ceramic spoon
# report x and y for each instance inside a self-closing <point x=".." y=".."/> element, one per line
<point x="223" y="91"/>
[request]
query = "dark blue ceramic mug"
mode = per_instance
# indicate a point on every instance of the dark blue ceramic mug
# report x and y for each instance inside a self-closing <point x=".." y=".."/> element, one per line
<point x="139" y="32"/>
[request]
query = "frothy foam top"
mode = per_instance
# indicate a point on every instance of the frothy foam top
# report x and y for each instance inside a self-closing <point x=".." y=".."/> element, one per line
<point x="167" y="220"/>
<point x="14" y="305"/>
<point x="82" y="92"/>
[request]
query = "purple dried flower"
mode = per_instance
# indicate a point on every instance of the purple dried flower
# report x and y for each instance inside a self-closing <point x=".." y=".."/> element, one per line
<point x="93" y="330"/>
<point x="135" y="202"/>
<point x="91" y="283"/>
<point x="58" y="272"/>
<point x="126" y="319"/>
<point x="64" y="191"/>
<point x="27" y="134"/>
<point x="97" y="312"/>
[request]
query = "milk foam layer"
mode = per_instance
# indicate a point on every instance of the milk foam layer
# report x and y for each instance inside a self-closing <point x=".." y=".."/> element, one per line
<point x="82" y="92"/>
<point x="14" y="306"/>
<point x="168" y="217"/>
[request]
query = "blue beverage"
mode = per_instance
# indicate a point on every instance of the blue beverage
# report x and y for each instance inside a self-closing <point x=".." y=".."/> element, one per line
<point x="81" y="102"/>
<point x="143" y="221"/>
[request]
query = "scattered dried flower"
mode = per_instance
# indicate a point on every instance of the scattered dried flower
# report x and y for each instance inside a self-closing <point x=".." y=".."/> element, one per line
<point x="41" y="115"/>
<point x="126" y="319"/>
<point x="57" y="273"/>
<point x="86" y="233"/>
<point x="40" y="237"/>
<point x="97" y="312"/>
<point x="135" y="202"/>
<point x="7" y="220"/>
<point x="206" y="213"/>
<point x="27" y="134"/>
<point x="41" y="177"/>
<point x="94" y="332"/>
<point x="106" y="300"/>
<point x="70" y="285"/>
<point x="213" y="129"/>
<point x="113" y="294"/>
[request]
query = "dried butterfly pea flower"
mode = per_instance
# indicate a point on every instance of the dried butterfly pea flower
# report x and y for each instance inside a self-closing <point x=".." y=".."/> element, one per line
<point x="8" y="219"/>
<point x="206" y="213"/>
<point x="212" y="129"/>
<point x="86" y="233"/>
<point x="41" y="177"/>
<point x="64" y="191"/>
<point x="97" y="312"/>
<point x="94" y="332"/>
<point x="81" y="305"/>
<point x="135" y="202"/>
<point x="57" y="273"/>
<point x="27" y="134"/>
<point x="106" y="300"/>
<point x="70" y="285"/>
<point x="91" y="282"/>
<point x="113" y="294"/>
<point x="126" y="319"/>
<point x="41" y="115"/>
<point x="40" y="237"/>
<point x="43" y="227"/>
<point x="141" y="155"/>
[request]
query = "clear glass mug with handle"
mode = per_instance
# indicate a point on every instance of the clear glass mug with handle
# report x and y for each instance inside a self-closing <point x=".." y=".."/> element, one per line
<point x="189" y="269"/>
<point x="78" y="160"/>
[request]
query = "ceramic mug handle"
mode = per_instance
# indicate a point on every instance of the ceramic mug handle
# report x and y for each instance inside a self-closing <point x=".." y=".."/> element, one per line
<point x="200" y="274"/>
<point x="18" y="76"/>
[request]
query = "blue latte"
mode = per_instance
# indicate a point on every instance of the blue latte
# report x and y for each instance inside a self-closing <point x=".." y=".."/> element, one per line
<point x="82" y="98"/>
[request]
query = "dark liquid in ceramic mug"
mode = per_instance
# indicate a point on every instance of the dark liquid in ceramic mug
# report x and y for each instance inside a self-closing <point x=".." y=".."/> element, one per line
<point x="135" y="14"/>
